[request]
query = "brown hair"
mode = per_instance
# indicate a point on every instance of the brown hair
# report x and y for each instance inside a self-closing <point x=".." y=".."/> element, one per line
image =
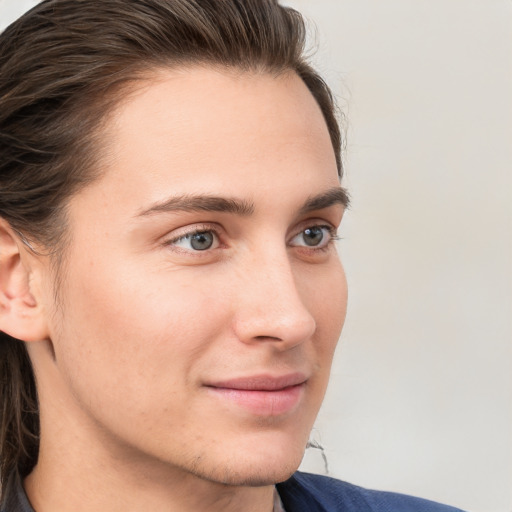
<point x="60" y="67"/>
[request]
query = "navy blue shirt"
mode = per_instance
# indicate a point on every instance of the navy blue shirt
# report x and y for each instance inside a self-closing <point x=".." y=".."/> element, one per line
<point x="305" y="492"/>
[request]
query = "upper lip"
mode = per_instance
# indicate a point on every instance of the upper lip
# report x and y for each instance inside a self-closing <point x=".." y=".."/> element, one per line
<point x="261" y="382"/>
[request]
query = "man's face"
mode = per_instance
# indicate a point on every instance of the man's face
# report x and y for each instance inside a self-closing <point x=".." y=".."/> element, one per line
<point x="203" y="296"/>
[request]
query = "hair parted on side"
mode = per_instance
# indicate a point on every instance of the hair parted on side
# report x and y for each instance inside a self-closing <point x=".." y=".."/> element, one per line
<point x="61" y="65"/>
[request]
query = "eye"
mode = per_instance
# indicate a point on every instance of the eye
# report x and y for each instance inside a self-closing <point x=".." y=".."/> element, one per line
<point x="196" y="241"/>
<point x="314" y="236"/>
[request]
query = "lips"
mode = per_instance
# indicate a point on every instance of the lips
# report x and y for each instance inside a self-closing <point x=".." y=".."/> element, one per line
<point x="262" y="395"/>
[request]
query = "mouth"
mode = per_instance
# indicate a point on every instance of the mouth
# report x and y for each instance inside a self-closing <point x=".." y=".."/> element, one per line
<point x="261" y="395"/>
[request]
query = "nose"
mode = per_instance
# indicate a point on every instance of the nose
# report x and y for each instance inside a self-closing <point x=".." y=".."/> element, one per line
<point x="270" y="307"/>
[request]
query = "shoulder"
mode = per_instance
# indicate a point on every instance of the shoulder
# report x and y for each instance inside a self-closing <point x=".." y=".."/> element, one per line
<point x="307" y="492"/>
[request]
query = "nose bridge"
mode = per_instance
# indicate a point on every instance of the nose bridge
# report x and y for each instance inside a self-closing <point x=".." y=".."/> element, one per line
<point x="271" y="307"/>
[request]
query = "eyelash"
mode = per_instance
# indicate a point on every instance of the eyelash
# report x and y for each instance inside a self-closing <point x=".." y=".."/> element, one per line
<point x="331" y="232"/>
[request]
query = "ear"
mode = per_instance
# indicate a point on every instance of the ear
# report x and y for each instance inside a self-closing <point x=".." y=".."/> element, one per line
<point x="21" y="312"/>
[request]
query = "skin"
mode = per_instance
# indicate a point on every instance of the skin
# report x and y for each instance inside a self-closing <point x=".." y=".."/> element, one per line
<point x="146" y="323"/>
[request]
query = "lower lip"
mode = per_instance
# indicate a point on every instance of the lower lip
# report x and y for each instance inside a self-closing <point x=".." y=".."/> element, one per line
<point x="262" y="403"/>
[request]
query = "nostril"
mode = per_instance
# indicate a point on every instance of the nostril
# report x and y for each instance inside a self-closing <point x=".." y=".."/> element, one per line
<point x="267" y="338"/>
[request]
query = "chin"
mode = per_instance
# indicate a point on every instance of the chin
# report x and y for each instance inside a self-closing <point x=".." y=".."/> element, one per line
<point x="266" y="464"/>
<point x="267" y="474"/>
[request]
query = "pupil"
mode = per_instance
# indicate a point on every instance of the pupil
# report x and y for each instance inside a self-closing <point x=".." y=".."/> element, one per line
<point x="201" y="241"/>
<point x="313" y="236"/>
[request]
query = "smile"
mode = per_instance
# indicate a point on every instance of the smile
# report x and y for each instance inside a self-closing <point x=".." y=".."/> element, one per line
<point x="262" y="395"/>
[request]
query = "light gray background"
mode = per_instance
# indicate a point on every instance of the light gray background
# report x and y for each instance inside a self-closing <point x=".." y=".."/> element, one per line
<point x="421" y="393"/>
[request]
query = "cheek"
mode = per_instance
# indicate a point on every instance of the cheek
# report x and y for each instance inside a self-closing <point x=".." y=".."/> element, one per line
<point x="326" y="298"/>
<point x="134" y="332"/>
<point x="327" y="301"/>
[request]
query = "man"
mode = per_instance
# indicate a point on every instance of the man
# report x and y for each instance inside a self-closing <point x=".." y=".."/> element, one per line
<point x="171" y="295"/>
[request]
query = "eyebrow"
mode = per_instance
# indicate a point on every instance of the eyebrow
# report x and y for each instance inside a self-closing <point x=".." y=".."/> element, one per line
<point x="331" y="197"/>
<point x="191" y="203"/>
<point x="206" y="203"/>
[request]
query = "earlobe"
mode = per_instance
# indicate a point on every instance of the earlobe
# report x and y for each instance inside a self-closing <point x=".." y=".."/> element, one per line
<point x="21" y="314"/>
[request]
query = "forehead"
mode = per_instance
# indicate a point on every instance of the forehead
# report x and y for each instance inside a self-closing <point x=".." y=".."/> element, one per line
<point x="227" y="132"/>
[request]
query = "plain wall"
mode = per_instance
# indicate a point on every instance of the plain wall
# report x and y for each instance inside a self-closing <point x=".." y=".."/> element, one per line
<point x="421" y="392"/>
